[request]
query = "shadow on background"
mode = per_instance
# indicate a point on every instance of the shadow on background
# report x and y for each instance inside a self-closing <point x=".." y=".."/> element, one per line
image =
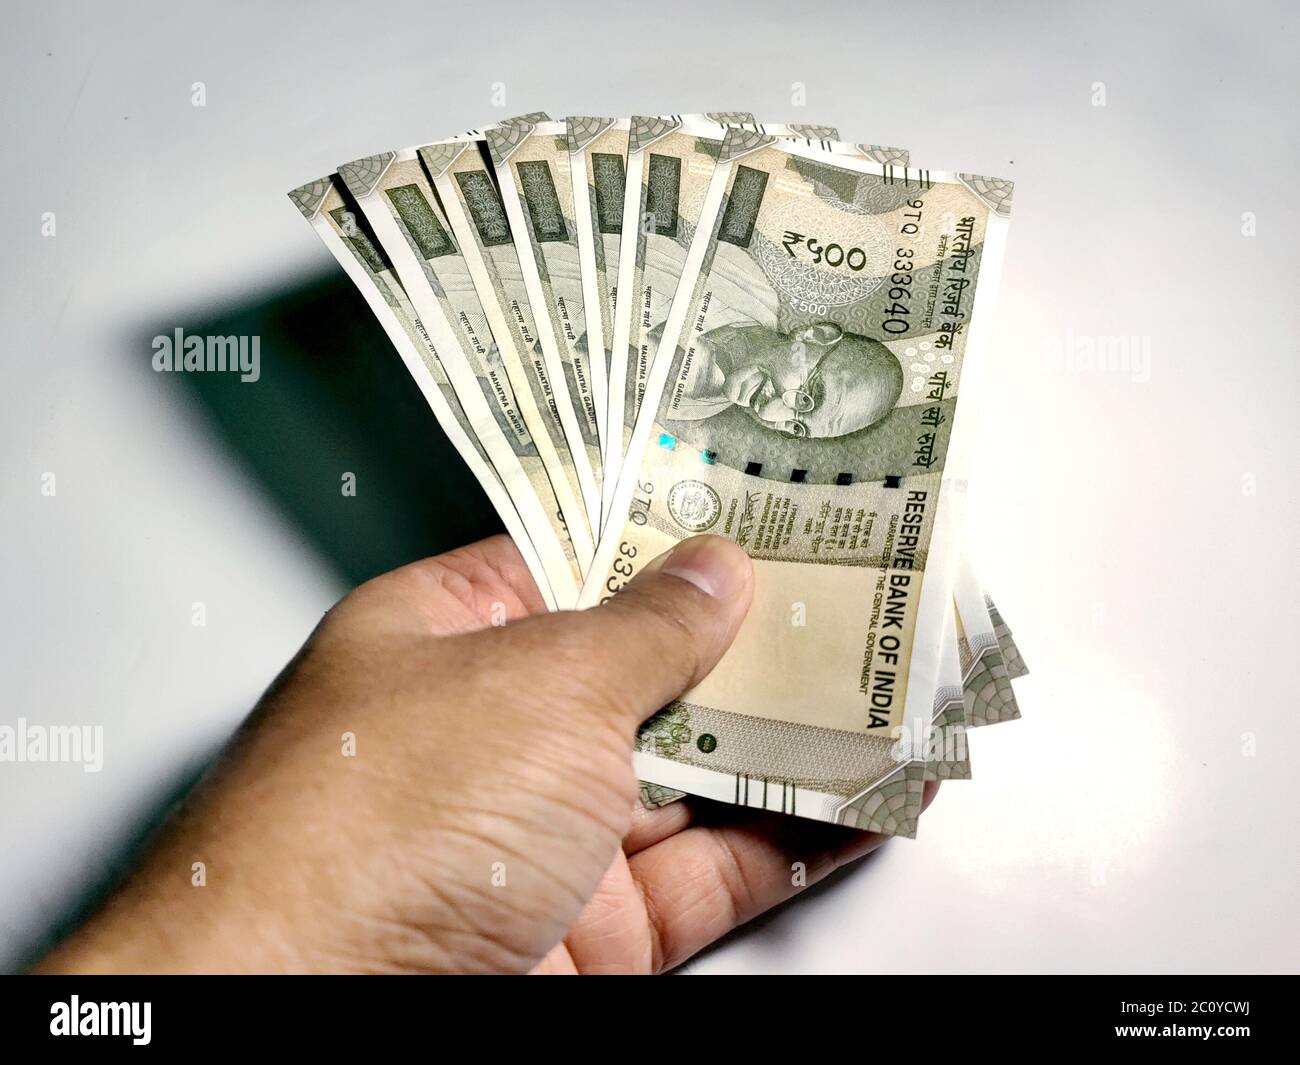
<point x="111" y="861"/>
<point x="335" y="398"/>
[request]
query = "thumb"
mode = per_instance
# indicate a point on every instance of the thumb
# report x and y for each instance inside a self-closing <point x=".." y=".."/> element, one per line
<point x="656" y="638"/>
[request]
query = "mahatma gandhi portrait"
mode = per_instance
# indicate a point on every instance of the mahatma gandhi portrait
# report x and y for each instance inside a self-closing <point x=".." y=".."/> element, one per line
<point x="816" y="382"/>
<point x="776" y="397"/>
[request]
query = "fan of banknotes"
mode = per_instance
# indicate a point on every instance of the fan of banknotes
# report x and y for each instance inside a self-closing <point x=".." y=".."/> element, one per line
<point x="637" y="330"/>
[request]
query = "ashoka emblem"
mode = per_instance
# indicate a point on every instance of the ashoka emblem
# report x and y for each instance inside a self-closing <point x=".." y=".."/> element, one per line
<point x="694" y="505"/>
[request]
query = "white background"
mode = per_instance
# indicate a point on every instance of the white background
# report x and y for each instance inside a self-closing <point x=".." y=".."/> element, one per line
<point x="1122" y="825"/>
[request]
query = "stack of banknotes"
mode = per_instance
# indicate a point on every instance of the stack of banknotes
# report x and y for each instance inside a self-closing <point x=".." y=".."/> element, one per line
<point x="637" y="330"/>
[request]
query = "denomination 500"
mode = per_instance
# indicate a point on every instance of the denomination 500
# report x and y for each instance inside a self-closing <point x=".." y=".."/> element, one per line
<point x="829" y="254"/>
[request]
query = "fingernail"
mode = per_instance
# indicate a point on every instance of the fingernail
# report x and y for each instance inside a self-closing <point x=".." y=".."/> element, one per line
<point x="717" y="567"/>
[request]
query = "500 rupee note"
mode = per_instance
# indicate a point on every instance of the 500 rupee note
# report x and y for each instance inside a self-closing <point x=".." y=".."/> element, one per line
<point x="597" y="162"/>
<point x="803" y="403"/>
<point x="532" y="165"/>
<point x="337" y="221"/>
<point x="400" y="205"/>
<point x="468" y="196"/>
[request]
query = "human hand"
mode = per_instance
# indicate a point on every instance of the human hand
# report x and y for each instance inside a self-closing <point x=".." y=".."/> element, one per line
<point x="487" y="818"/>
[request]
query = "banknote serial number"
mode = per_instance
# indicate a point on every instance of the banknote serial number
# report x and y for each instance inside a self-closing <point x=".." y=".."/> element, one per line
<point x="623" y="568"/>
<point x="621" y="571"/>
<point x="897" y="316"/>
